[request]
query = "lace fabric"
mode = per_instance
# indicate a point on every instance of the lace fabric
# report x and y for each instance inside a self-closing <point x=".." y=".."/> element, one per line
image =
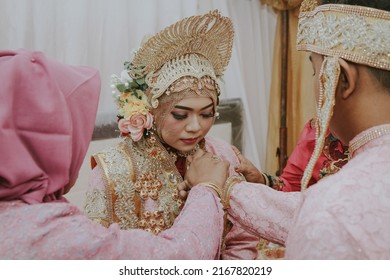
<point x="343" y="216"/>
<point x="59" y="231"/>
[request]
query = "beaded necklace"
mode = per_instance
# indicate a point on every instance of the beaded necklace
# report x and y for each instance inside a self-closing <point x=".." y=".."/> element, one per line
<point x="367" y="136"/>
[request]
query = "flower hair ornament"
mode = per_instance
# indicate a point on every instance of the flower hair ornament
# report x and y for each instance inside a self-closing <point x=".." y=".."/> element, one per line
<point x="134" y="114"/>
<point x="354" y="33"/>
<point x="190" y="54"/>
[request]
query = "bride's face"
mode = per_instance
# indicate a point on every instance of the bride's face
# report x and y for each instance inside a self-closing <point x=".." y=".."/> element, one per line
<point x="188" y="123"/>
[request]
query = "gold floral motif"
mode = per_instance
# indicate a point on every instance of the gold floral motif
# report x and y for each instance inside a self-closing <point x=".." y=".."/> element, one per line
<point x="132" y="176"/>
<point x="355" y="33"/>
<point x="152" y="222"/>
<point x="148" y="186"/>
<point x="153" y="152"/>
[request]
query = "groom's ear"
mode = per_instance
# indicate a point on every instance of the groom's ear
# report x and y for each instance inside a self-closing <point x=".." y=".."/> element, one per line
<point x="349" y="76"/>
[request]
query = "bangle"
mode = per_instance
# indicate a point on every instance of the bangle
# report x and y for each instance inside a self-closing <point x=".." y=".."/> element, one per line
<point x="214" y="187"/>
<point x="266" y="179"/>
<point x="272" y="181"/>
<point x="230" y="182"/>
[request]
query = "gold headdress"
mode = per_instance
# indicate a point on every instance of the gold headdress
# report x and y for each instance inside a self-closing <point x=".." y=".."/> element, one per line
<point x="196" y="46"/>
<point x="185" y="57"/>
<point x="354" y="33"/>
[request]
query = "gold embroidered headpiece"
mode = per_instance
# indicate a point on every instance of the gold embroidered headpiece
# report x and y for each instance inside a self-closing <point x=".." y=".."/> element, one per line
<point x="196" y="46"/>
<point x="354" y="33"/>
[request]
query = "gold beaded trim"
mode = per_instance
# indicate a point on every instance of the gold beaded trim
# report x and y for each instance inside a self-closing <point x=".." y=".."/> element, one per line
<point x="330" y="71"/>
<point x="355" y="33"/>
<point x="367" y="136"/>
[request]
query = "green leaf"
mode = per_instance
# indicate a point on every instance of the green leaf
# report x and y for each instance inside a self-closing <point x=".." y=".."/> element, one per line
<point x="140" y="81"/>
<point x="121" y="87"/>
<point x="133" y="85"/>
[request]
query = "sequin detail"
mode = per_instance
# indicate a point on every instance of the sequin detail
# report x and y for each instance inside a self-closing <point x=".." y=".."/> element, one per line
<point x="136" y="173"/>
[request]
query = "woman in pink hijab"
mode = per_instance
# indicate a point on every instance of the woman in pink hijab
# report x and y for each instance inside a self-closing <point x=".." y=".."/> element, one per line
<point x="47" y="114"/>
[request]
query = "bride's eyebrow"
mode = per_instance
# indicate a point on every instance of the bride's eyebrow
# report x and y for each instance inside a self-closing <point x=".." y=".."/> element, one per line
<point x="191" y="109"/>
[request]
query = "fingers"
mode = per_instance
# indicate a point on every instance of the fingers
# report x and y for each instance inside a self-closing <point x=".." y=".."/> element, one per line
<point x="182" y="186"/>
<point x="183" y="194"/>
<point x="199" y="153"/>
<point x="216" y="158"/>
<point x="183" y="189"/>
<point x="239" y="169"/>
<point x="207" y="168"/>
<point x="238" y="153"/>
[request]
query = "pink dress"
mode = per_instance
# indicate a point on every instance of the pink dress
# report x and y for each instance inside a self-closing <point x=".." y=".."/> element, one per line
<point x="58" y="230"/>
<point x="343" y="216"/>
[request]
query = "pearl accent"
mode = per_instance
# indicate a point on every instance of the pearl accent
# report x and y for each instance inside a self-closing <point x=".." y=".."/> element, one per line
<point x="329" y="74"/>
<point x="367" y="136"/>
<point x="355" y="33"/>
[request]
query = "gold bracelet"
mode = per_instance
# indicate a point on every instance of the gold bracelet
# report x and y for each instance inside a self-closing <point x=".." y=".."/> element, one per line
<point x="213" y="186"/>
<point x="230" y="182"/>
<point x="266" y="179"/>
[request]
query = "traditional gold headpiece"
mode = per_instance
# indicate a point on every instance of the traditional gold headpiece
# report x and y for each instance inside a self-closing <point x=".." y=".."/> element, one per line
<point x="354" y="33"/>
<point x="196" y="46"/>
<point x="190" y="54"/>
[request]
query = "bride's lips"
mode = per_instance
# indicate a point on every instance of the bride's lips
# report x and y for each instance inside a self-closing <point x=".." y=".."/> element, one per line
<point x="189" y="141"/>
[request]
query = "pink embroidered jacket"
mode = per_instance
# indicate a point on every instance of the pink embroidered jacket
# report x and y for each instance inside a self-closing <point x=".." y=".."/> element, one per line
<point x="343" y="216"/>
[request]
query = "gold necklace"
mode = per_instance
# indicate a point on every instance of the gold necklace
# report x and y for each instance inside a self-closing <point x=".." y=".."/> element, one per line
<point x="175" y="153"/>
<point x="367" y="136"/>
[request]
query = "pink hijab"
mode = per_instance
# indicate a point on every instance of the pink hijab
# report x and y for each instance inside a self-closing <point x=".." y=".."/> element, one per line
<point x="47" y="115"/>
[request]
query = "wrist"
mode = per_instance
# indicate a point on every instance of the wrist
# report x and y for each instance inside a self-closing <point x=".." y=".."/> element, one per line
<point x="273" y="182"/>
<point x="228" y="187"/>
<point x="266" y="180"/>
<point x="214" y="187"/>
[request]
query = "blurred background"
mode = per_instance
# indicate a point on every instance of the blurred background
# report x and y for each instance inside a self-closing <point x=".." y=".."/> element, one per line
<point x="265" y="71"/>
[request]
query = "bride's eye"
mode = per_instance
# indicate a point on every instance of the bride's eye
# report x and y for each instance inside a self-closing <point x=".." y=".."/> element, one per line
<point x="207" y="115"/>
<point x="178" y="116"/>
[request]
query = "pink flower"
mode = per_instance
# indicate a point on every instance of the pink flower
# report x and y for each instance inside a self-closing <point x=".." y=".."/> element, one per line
<point x="136" y="125"/>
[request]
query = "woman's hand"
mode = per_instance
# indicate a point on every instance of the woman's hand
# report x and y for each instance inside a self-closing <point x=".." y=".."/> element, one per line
<point x="206" y="167"/>
<point x="246" y="168"/>
<point x="184" y="188"/>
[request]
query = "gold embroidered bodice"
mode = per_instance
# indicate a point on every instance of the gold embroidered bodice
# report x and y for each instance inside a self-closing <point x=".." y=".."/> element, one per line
<point x="140" y="187"/>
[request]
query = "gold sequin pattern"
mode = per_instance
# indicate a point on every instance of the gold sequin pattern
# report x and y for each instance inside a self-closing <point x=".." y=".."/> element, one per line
<point x="138" y="172"/>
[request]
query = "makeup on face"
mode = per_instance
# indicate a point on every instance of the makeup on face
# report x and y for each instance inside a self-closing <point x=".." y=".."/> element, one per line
<point x="188" y="123"/>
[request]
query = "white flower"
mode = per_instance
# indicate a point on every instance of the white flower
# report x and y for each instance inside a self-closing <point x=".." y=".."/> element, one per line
<point x="125" y="77"/>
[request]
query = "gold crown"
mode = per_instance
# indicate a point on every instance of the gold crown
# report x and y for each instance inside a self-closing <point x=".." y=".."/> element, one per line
<point x="195" y="46"/>
<point x="355" y="33"/>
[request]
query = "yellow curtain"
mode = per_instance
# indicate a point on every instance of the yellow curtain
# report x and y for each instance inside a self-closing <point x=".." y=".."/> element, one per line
<point x="300" y="93"/>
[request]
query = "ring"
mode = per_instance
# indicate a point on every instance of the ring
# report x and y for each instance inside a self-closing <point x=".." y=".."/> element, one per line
<point x="215" y="158"/>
